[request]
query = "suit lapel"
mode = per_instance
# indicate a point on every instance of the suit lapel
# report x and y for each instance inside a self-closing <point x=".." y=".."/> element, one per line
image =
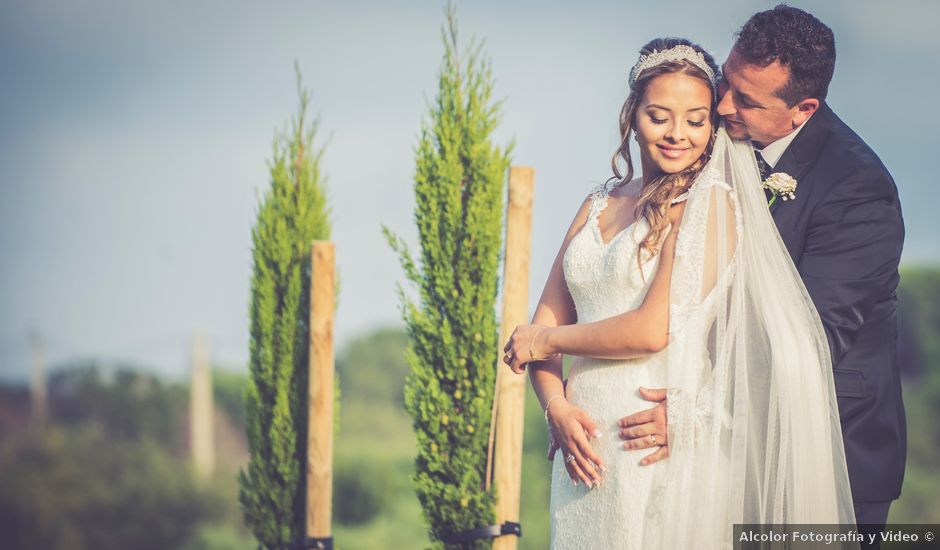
<point x="801" y="154"/>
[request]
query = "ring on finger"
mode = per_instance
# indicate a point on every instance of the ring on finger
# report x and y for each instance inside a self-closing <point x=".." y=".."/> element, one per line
<point x="569" y="458"/>
<point x="652" y="439"/>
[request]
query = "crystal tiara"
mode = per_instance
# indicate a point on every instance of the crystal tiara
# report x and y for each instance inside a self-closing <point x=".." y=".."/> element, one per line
<point x="675" y="53"/>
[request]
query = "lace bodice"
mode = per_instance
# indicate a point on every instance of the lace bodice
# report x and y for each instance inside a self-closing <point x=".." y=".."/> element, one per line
<point x="604" y="279"/>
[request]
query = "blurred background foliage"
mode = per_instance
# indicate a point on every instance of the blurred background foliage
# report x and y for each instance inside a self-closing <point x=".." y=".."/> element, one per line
<point x="109" y="469"/>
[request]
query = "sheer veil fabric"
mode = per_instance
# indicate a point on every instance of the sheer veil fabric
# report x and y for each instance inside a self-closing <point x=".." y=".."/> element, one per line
<point x="754" y="430"/>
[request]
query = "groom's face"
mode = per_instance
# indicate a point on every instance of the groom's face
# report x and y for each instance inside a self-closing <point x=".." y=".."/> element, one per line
<point x="749" y="103"/>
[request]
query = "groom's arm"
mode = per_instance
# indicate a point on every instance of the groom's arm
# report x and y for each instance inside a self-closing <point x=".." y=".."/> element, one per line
<point x="851" y="253"/>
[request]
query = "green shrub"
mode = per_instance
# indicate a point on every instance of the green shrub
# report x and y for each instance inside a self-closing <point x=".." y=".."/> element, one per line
<point x="452" y="350"/>
<point x="292" y="214"/>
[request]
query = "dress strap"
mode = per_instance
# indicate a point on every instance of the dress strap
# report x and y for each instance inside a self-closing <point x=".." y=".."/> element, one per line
<point x="681" y="198"/>
<point x="598" y="200"/>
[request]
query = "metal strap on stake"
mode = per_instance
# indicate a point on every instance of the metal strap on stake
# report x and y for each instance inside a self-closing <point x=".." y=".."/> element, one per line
<point x="487" y="532"/>
<point x="325" y="543"/>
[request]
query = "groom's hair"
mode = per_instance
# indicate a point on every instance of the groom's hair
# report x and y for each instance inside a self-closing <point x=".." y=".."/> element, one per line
<point x="799" y="41"/>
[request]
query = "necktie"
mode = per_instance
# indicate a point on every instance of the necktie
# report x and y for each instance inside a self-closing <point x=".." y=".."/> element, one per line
<point x="762" y="165"/>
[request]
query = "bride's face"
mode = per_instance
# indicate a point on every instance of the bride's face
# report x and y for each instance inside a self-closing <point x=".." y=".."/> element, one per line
<point x="673" y="123"/>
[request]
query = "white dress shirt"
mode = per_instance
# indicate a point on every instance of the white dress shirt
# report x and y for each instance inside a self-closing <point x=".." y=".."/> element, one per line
<point x="775" y="150"/>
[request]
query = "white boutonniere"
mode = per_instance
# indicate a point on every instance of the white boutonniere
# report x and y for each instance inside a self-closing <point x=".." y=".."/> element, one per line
<point x="781" y="185"/>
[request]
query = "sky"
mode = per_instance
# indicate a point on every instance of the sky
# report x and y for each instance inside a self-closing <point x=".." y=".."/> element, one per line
<point x="135" y="139"/>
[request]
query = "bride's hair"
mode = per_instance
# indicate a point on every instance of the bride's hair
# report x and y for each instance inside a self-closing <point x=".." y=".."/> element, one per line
<point x="656" y="196"/>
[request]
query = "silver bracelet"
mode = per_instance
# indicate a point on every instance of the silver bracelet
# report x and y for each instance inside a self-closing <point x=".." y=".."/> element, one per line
<point x="548" y="404"/>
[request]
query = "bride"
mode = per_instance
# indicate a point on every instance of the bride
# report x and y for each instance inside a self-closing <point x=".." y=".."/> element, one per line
<point x="679" y="279"/>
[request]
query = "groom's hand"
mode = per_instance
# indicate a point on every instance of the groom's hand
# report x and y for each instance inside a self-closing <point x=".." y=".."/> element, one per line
<point x="552" y="445"/>
<point x="647" y="428"/>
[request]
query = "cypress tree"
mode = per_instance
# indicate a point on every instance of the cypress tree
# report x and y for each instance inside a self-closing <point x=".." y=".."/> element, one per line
<point x="293" y="212"/>
<point x="452" y="329"/>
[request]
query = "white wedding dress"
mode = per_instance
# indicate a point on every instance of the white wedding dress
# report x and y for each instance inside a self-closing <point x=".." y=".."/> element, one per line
<point x="754" y="432"/>
<point x="604" y="280"/>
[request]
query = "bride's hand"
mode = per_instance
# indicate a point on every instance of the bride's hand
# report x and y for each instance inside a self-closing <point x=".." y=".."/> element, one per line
<point x="526" y="344"/>
<point x="552" y="444"/>
<point x="571" y="427"/>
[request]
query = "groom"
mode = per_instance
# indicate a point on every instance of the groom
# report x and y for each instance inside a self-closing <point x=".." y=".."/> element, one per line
<point x="843" y="230"/>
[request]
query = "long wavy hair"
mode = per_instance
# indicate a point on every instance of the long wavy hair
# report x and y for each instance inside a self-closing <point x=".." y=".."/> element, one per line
<point x="657" y="194"/>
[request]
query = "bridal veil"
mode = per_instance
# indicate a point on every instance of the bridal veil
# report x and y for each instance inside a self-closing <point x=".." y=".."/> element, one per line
<point x="754" y="432"/>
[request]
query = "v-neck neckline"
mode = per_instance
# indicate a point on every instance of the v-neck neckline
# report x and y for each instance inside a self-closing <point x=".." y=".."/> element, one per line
<point x="597" y="223"/>
<point x="600" y="236"/>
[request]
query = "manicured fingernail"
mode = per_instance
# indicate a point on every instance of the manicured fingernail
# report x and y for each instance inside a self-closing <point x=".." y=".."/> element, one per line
<point x="644" y="462"/>
<point x="642" y="388"/>
<point x="596" y="433"/>
<point x="603" y="468"/>
<point x="589" y="484"/>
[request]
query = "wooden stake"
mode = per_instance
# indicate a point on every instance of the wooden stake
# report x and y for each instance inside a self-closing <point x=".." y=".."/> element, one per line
<point x="37" y="384"/>
<point x="201" y="421"/>
<point x="510" y="386"/>
<point x="320" y="391"/>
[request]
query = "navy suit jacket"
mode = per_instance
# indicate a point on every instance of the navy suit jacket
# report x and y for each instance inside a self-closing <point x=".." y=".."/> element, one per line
<point x="844" y="231"/>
